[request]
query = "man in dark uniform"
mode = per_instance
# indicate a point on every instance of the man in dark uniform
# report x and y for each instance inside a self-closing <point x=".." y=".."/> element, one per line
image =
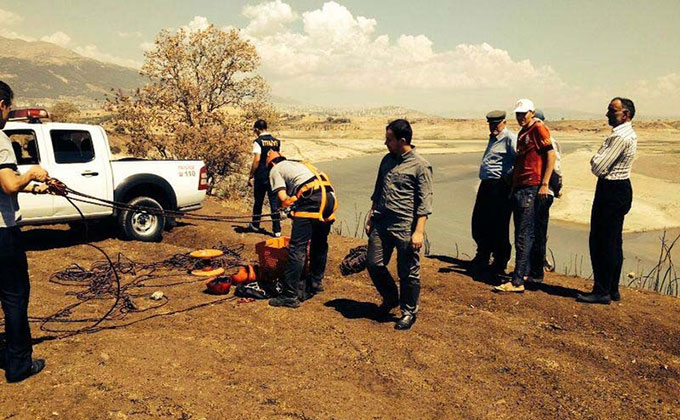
<point x="259" y="174"/>
<point x="14" y="285"/>
<point x="302" y="185"/>
<point x="491" y="214"/>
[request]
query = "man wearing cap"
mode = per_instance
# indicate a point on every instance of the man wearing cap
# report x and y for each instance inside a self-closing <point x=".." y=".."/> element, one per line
<point x="491" y="214"/>
<point x="611" y="165"/>
<point x="259" y="177"/>
<point x="533" y="168"/>
<point x="301" y="185"/>
<point x="537" y="259"/>
<point x="402" y="202"/>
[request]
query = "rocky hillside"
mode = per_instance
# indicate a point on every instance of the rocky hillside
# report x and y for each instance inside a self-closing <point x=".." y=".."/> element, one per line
<point x="43" y="73"/>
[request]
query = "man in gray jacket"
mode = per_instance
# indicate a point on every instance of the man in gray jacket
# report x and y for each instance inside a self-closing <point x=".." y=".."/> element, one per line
<point x="402" y="202"/>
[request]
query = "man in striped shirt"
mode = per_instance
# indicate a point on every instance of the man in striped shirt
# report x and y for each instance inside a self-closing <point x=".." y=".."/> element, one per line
<point x="613" y="197"/>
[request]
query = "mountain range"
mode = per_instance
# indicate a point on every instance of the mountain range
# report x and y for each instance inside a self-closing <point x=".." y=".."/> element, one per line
<point x="42" y="73"/>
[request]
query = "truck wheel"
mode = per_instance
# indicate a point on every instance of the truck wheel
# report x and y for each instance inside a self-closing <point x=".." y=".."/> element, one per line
<point x="141" y="226"/>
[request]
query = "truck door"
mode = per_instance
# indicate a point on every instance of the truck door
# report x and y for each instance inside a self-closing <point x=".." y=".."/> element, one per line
<point x="80" y="162"/>
<point x="33" y="207"/>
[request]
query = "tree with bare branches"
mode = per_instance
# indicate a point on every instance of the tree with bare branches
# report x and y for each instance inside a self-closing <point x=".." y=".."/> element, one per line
<point x="200" y="101"/>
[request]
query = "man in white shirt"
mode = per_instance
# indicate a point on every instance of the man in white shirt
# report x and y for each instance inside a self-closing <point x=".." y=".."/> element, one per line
<point x="14" y="284"/>
<point x="611" y="165"/>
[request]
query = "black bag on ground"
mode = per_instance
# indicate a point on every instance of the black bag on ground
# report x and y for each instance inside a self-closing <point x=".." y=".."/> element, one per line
<point x="355" y="261"/>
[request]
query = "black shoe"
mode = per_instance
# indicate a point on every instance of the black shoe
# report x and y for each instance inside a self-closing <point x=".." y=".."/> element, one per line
<point x="532" y="279"/>
<point x="254" y="229"/>
<point x="616" y="296"/>
<point x="405" y="322"/>
<point x="317" y="287"/>
<point x="284" y="301"/>
<point x="36" y="366"/>
<point x="593" y="298"/>
<point x="386" y="307"/>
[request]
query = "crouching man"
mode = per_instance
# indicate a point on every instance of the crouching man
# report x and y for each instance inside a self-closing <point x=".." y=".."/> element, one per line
<point x="309" y="191"/>
<point x="402" y="201"/>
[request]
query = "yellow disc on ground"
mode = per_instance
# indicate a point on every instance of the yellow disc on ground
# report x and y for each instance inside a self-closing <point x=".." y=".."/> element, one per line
<point x="208" y="272"/>
<point x="206" y="253"/>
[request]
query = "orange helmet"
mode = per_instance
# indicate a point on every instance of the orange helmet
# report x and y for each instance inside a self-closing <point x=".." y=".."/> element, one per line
<point x="272" y="156"/>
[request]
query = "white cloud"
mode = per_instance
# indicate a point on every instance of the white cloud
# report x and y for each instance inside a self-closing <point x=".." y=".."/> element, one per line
<point x="147" y="46"/>
<point x="9" y="18"/>
<point x="338" y="55"/>
<point x="135" y="34"/>
<point x="198" y="23"/>
<point x="655" y="97"/>
<point x="92" y="51"/>
<point x="268" y="18"/>
<point x="58" y="38"/>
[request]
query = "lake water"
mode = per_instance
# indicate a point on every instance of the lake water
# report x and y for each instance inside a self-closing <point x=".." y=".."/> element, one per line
<point x="455" y="187"/>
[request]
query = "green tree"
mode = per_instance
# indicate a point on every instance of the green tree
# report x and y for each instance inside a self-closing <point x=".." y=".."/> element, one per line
<point x="199" y="103"/>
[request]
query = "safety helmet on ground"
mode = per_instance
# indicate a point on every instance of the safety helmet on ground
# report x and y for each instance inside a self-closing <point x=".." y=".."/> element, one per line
<point x="274" y="157"/>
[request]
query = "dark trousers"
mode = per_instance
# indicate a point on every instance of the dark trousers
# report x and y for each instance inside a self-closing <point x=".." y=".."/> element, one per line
<point x="524" y="215"/>
<point x="381" y="244"/>
<point x="314" y="233"/>
<point x="260" y="189"/>
<point x="14" y="294"/>
<point x="611" y="204"/>
<point x="491" y="222"/>
<point x="541" y="218"/>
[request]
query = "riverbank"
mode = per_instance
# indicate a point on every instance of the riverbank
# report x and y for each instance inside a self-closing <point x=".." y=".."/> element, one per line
<point x="656" y="180"/>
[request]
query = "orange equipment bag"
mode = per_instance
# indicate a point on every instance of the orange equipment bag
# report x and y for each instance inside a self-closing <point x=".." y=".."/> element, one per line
<point x="273" y="257"/>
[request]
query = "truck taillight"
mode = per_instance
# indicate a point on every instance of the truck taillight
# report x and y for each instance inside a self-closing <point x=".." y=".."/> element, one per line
<point x="203" y="179"/>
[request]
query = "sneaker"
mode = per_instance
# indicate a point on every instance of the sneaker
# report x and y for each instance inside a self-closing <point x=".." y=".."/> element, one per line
<point x="277" y="234"/>
<point x="531" y="279"/>
<point x="405" y="322"/>
<point x="288" y="302"/>
<point x="252" y="228"/>
<point x="509" y="287"/>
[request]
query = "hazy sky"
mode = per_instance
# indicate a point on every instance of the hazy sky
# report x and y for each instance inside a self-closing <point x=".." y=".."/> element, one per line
<point x="443" y="56"/>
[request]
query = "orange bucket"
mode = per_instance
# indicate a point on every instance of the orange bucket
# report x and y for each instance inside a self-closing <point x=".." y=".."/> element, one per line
<point x="273" y="257"/>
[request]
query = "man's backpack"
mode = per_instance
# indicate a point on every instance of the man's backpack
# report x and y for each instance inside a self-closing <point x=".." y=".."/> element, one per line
<point x="555" y="182"/>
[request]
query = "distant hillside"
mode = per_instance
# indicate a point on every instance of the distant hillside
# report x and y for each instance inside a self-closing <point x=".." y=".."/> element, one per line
<point x="293" y="106"/>
<point x="44" y="73"/>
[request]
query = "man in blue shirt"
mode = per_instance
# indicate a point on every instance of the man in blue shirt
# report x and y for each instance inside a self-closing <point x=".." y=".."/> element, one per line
<point x="491" y="214"/>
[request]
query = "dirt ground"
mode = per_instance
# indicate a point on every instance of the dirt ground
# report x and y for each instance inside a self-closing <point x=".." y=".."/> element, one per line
<point x="471" y="355"/>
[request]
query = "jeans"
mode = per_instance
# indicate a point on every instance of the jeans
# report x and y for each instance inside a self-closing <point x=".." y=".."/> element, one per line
<point x="524" y="214"/>
<point x="14" y="293"/>
<point x="491" y="222"/>
<point x="314" y="233"/>
<point x="541" y="218"/>
<point x="381" y="244"/>
<point x="612" y="202"/>
<point x="260" y="190"/>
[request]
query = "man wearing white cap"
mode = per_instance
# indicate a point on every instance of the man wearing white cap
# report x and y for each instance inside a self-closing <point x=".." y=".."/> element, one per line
<point x="533" y="168"/>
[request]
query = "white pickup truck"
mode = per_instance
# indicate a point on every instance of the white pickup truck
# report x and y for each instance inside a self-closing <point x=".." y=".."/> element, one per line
<point x="80" y="157"/>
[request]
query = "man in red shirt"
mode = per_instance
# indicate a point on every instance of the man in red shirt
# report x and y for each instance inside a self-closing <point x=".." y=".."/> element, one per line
<point x="533" y="167"/>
